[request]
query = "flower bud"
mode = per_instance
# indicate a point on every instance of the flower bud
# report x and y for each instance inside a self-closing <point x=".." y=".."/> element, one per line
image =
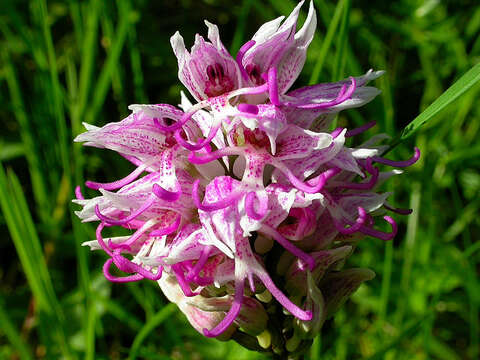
<point x="297" y="273"/>
<point x="199" y="318"/>
<point x="316" y="304"/>
<point x="206" y="320"/>
<point x="337" y="287"/>
<point x="252" y="318"/>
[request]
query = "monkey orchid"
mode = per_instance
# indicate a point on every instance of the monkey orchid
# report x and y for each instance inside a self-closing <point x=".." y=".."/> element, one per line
<point x="243" y="205"/>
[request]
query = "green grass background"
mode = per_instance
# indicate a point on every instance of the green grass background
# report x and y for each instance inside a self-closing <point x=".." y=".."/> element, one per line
<point x="65" y="62"/>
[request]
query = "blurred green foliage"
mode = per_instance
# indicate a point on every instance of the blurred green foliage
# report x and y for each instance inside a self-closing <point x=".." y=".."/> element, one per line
<point x="65" y="62"/>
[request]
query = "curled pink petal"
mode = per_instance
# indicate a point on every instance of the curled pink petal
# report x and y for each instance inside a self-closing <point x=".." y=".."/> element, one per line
<point x="343" y="95"/>
<point x="131" y="240"/>
<point x="78" y="193"/>
<point x="241" y="53"/>
<point x="336" y="132"/>
<point x="101" y="242"/>
<point x="195" y="271"/>
<point x="146" y="205"/>
<point x="397" y="210"/>
<point x="119" y="183"/>
<point x="201" y="144"/>
<point x="178" y="271"/>
<point x="169" y="229"/>
<point x="381" y="234"/>
<point x="248" y="108"/>
<point x="360" y="129"/>
<point x="282" y="299"/>
<point x="232" y="313"/>
<point x="362" y="217"/>
<point x="366" y="185"/>
<point x="404" y="163"/>
<point x="221" y="204"/>
<point x="288" y="246"/>
<point x="123" y="279"/>
<point x="305" y="186"/>
<point x="161" y="193"/>
<point x="170" y="128"/>
<point x="249" y="207"/>
<point x="183" y="120"/>
<point x="128" y="266"/>
<point x="273" y="86"/>
<point x="214" y="155"/>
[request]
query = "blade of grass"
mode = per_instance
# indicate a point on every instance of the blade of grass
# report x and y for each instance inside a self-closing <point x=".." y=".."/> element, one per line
<point x="340" y="58"/>
<point x="105" y="78"/>
<point x="85" y="287"/>
<point x="468" y="215"/>
<point x="327" y="42"/>
<point x="34" y="163"/>
<point x="469" y="79"/>
<point x="29" y="250"/>
<point x="57" y="95"/>
<point x="239" y="35"/>
<point x="151" y="325"/>
<point x="11" y="151"/>
<point x="118" y="73"/>
<point x="90" y="330"/>
<point x="87" y="62"/>
<point x="22" y="29"/>
<point x="386" y="282"/>
<point x="79" y="97"/>
<point x="316" y="348"/>
<point x="76" y="15"/>
<point x="410" y="243"/>
<point x="118" y="311"/>
<point x="13" y="336"/>
<point x="136" y="63"/>
<point x="138" y="293"/>
<point x="407" y="332"/>
<point x="342" y="40"/>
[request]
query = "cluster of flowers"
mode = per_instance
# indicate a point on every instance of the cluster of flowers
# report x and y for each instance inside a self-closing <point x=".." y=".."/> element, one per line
<point x="245" y="185"/>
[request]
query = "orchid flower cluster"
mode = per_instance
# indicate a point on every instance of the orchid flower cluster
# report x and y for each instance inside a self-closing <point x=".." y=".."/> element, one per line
<point x="243" y="206"/>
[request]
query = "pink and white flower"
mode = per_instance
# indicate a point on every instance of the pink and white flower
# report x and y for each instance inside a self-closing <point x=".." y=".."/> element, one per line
<point x="245" y="186"/>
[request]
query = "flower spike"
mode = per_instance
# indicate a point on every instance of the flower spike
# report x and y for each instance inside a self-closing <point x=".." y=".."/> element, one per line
<point x="242" y="202"/>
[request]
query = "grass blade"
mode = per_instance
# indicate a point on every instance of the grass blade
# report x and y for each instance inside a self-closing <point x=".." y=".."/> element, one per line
<point x="34" y="162"/>
<point x="29" y="250"/>
<point x="105" y="78"/>
<point x="239" y="35"/>
<point x="151" y="325"/>
<point x="469" y="79"/>
<point x="342" y="41"/>
<point x="57" y="93"/>
<point x="11" y="150"/>
<point x="327" y="42"/>
<point x="13" y="336"/>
